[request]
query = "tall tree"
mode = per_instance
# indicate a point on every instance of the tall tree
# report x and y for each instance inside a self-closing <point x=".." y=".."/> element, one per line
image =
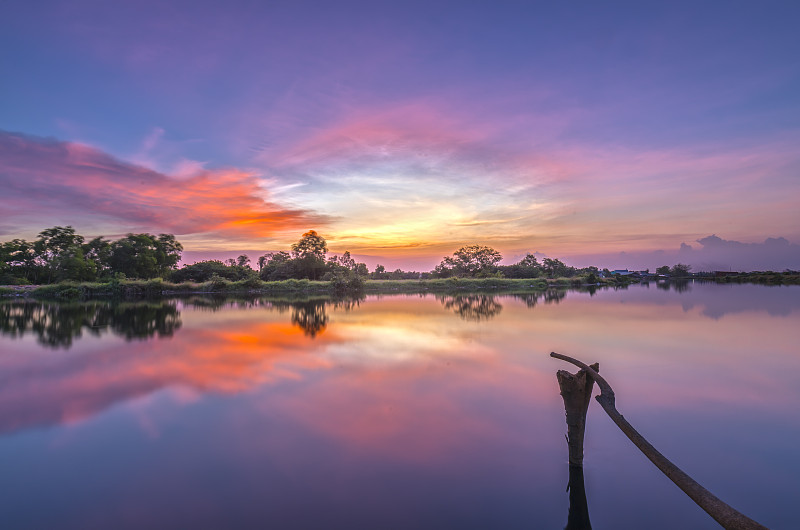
<point x="309" y="255"/>
<point x="471" y="260"/>
<point x="21" y="262"/>
<point x="145" y="255"/>
<point x="277" y="266"/>
<point x="555" y="268"/>
<point x="680" y="270"/>
<point x="310" y="244"/>
<point x="59" y="250"/>
<point x="98" y="250"/>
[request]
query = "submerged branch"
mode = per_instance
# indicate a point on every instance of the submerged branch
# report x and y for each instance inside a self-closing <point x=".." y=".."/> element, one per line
<point x="724" y="514"/>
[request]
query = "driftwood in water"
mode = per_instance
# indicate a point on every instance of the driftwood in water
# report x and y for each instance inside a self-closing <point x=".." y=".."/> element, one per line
<point x="576" y="389"/>
<point x="728" y="517"/>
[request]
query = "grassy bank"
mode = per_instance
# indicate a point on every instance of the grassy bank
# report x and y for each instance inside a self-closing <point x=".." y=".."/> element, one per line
<point x="129" y="289"/>
<point x="442" y="285"/>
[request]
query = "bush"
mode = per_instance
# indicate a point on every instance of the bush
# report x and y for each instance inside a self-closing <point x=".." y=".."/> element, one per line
<point x="343" y="282"/>
<point x="250" y="283"/>
<point x="69" y="293"/>
<point x="216" y="283"/>
<point x="203" y="271"/>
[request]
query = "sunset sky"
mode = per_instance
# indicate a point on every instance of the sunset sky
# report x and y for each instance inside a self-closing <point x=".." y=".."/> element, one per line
<point x="614" y="134"/>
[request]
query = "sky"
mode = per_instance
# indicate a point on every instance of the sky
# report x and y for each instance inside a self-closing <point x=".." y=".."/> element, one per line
<point x="619" y="134"/>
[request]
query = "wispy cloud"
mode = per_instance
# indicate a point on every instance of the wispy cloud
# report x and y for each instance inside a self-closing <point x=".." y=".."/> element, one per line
<point x="424" y="177"/>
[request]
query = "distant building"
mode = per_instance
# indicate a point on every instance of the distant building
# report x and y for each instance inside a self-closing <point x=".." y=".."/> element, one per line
<point x="622" y="272"/>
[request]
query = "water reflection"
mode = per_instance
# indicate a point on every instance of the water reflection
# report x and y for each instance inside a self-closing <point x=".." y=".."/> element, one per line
<point x="423" y="418"/>
<point x="310" y="316"/>
<point x="578" y="517"/>
<point x="483" y="307"/>
<point x="550" y="296"/>
<point x="678" y="285"/>
<point x="57" y="325"/>
<point x="472" y="307"/>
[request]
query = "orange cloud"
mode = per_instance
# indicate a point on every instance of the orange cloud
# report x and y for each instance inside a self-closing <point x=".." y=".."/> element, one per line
<point x="81" y="182"/>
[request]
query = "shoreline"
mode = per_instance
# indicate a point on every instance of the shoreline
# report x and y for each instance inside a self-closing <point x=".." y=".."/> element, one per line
<point x="135" y="289"/>
<point x="132" y="289"/>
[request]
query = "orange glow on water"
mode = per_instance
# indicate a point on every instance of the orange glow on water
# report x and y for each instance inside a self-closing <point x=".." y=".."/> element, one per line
<point x="396" y="365"/>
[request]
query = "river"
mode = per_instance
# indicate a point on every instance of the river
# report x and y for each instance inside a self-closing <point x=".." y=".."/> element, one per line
<point x="403" y="411"/>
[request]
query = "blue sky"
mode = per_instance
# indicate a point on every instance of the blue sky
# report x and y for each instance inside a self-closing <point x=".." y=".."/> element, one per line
<point x="402" y="131"/>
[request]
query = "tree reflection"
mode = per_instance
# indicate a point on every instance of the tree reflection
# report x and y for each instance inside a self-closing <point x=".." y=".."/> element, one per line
<point x="141" y="321"/>
<point x="310" y="316"/>
<point x="309" y="313"/>
<point x="554" y="296"/>
<point x="529" y="299"/>
<point x="57" y="325"/>
<point x="550" y="296"/>
<point x="474" y="307"/>
<point x="679" y="286"/>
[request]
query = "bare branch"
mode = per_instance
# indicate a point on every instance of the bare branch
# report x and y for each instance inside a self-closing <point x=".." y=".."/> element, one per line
<point x="725" y="515"/>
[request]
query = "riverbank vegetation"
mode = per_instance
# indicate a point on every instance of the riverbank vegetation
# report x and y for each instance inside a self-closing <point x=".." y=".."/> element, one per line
<point x="131" y="289"/>
<point x="63" y="264"/>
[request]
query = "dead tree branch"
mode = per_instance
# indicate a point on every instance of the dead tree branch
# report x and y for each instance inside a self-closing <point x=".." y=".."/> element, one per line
<point x="725" y="515"/>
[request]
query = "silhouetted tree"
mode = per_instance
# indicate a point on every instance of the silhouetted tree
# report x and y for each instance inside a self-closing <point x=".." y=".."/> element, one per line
<point x="309" y="255"/>
<point x="555" y="268"/>
<point x="471" y="260"/>
<point x="145" y="255"/>
<point x="204" y="271"/>
<point x="98" y="250"/>
<point x="61" y="254"/>
<point x="59" y="251"/>
<point x="380" y="272"/>
<point x="20" y="263"/>
<point x="527" y="267"/>
<point x="277" y="266"/>
<point x="680" y="270"/>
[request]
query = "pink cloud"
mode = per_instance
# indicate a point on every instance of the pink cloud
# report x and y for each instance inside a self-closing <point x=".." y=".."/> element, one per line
<point x="521" y="192"/>
<point x="427" y="136"/>
<point x="81" y="181"/>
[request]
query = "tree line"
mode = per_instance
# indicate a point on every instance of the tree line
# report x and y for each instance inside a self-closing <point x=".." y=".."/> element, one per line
<point x="60" y="254"/>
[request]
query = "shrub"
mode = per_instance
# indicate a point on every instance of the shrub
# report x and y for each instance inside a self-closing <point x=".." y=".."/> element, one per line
<point x="343" y="282"/>
<point x="216" y="283"/>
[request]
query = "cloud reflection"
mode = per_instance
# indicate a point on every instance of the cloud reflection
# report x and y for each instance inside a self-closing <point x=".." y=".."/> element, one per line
<point x="39" y="391"/>
<point x="389" y="364"/>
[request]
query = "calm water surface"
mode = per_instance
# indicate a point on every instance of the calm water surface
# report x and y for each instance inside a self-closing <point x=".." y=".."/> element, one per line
<point x="395" y="412"/>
